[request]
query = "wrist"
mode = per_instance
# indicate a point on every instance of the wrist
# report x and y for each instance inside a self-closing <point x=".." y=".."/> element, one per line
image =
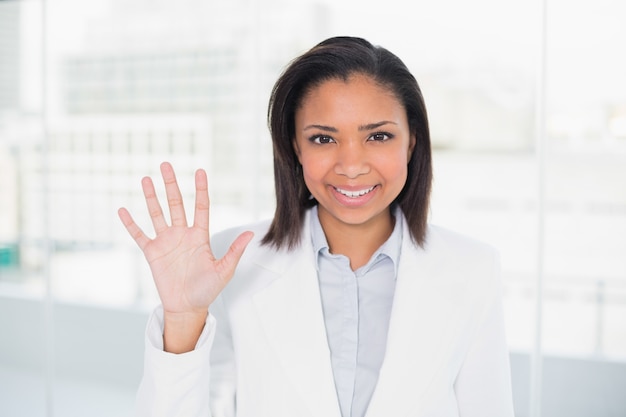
<point x="181" y="331"/>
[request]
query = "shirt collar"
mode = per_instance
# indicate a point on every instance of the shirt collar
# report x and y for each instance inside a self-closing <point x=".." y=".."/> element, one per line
<point x="391" y="248"/>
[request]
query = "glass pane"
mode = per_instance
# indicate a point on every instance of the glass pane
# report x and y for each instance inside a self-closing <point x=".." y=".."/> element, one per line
<point x="586" y="182"/>
<point x="129" y="84"/>
<point x="23" y="342"/>
<point x="125" y="91"/>
<point x="585" y="233"/>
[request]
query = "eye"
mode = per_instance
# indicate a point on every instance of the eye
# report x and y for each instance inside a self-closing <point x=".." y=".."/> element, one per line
<point x="380" y="137"/>
<point x="321" y="139"/>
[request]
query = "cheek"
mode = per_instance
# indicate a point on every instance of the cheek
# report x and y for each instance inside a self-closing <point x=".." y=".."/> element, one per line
<point x="400" y="178"/>
<point x="395" y="166"/>
<point x="311" y="176"/>
<point x="314" y="166"/>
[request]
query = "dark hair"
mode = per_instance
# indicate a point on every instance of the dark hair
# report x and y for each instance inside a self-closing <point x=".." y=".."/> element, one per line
<point x="338" y="58"/>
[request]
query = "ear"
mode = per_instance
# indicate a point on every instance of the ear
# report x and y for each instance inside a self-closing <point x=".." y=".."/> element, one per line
<point x="412" y="141"/>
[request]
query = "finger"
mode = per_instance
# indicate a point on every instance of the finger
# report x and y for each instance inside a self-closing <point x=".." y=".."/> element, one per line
<point x="154" y="207"/>
<point x="201" y="212"/>
<point x="135" y="231"/>
<point x="174" y="198"/>
<point x="229" y="261"/>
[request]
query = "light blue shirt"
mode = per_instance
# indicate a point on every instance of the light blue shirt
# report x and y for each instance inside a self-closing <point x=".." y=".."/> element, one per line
<point x="357" y="306"/>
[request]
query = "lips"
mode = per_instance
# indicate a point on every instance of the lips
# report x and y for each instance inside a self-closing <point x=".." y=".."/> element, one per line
<point x="354" y="193"/>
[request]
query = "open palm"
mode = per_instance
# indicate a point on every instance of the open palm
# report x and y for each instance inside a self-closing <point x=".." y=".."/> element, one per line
<point x="187" y="275"/>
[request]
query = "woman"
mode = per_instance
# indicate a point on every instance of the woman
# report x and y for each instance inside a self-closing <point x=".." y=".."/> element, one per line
<point x="346" y="304"/>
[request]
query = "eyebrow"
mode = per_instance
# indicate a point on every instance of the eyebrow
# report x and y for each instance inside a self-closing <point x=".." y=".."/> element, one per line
<point x="372" y="126"/>
<point x="369" y="126"/>
<point x="321" y="127"/>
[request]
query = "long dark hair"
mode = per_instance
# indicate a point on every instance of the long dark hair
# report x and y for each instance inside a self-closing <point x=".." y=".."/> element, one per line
<point x="338" y="58"/>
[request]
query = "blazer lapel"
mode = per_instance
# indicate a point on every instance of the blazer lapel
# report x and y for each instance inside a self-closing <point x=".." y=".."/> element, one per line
<point x="291" y="314"/>
<point x="419" y="330"/>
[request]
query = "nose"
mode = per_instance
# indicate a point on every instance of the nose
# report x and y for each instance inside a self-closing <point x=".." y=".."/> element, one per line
<point x="352" y="160"/>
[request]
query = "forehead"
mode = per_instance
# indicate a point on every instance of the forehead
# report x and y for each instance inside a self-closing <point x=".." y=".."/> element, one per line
<point x="356" y="81"/>
<point x="357" y="96"/>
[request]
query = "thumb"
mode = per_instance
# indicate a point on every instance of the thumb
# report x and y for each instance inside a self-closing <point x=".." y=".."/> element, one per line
<point x="229" y="261"/>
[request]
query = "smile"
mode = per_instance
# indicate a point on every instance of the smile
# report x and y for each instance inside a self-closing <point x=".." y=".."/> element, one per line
<point x="354" y="194"/>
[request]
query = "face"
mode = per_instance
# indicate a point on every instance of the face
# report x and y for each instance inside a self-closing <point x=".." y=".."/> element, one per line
<point x="353" y="141"/>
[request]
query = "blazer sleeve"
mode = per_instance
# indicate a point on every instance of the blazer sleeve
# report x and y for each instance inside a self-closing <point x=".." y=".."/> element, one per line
<point x="188" y="384"/>
<point x="483" y="385"/>
<point x="200" y="383"/>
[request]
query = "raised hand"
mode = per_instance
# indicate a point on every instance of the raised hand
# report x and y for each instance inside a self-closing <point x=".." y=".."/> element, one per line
<point x="187" y="275"/>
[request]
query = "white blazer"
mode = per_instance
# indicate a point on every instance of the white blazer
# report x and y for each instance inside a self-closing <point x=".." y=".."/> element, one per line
<point x="264" y="352"/>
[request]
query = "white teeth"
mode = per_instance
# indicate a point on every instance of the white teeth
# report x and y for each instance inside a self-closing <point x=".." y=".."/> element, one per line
<point x="354" y="194"/>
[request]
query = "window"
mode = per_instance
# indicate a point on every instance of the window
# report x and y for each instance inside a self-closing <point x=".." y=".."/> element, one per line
<point x="528" y="124"/>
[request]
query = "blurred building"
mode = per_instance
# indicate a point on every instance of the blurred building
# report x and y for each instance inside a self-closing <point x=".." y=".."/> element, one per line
<point x="144" y="82"/>
<point x="10" y="46"/>
<point x="128" y="84"/>
<point x="9" y="55"/>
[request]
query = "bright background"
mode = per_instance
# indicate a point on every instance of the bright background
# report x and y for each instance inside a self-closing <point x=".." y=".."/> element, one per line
<point x="527" y="104"/>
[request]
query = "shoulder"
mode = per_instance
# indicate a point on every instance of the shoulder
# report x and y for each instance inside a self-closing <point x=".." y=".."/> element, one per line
<point x="260" y="265"/>
<point x="467" y="267"/>
<point x="461" y="258"/>
<point x="221" y="241"/>
<point x="441" y="238"/>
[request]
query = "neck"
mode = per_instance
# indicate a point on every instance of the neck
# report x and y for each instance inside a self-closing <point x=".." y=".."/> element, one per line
<point x="356" y="241"/>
